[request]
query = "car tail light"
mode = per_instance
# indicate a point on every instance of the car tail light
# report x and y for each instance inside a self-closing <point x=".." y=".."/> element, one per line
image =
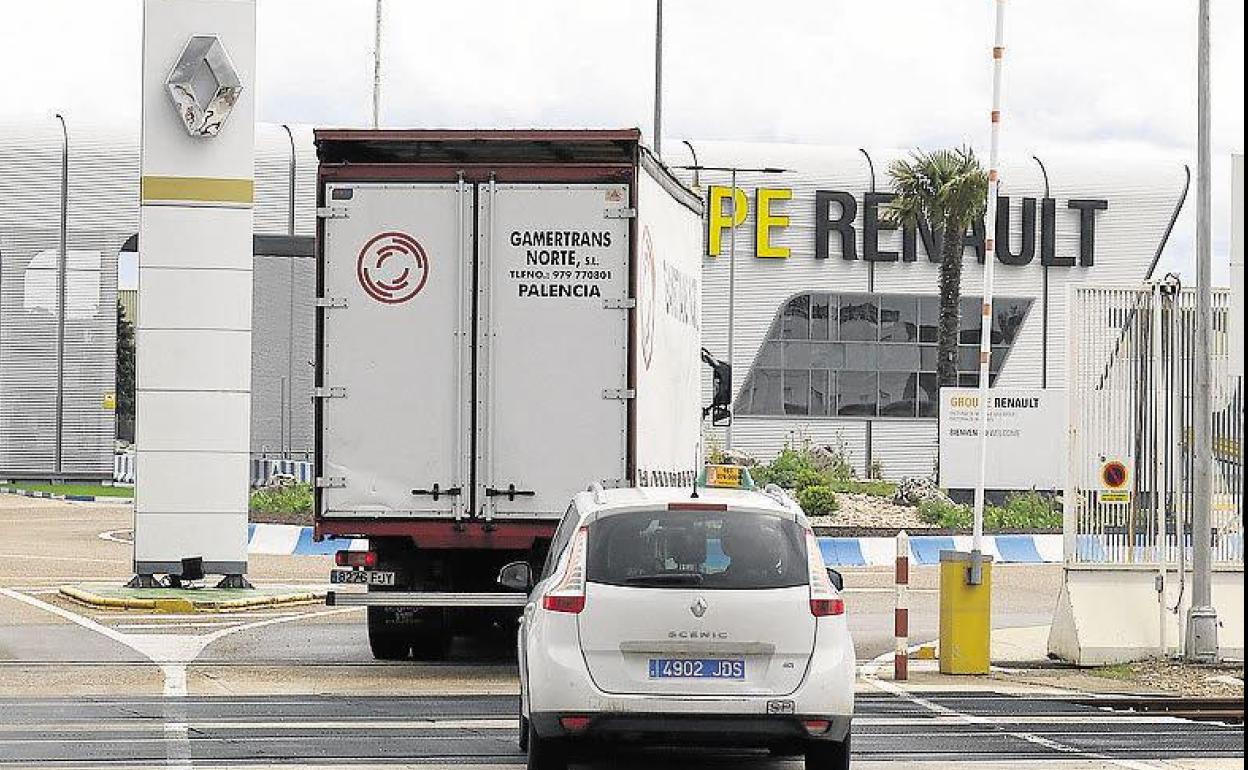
<point x="356" y="559"/>
<point x="816" y="726"/>
<point x="824" y="600"/>
<point x="568" y="595"/>
<point x="574" y="724"/>
<point x="824" y="607"/>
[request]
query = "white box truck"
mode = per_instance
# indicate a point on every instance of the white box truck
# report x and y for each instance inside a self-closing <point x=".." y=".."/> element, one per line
<point x="504" y="317"/>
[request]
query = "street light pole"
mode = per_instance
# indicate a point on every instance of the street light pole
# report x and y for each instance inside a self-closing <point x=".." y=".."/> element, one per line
<point x="658" y="78"/>
<point x="377" y="67"/>
<point x="732" y="290"/>
<point x="1202" y="618"/>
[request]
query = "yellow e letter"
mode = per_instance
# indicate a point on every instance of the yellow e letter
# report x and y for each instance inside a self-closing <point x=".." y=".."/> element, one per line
<point x="764" y="220"/>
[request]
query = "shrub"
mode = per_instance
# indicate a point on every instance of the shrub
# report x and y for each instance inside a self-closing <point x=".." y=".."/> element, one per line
<point x="946" y="515"/>
<point x="818" y="500"/>
<point x="1022" y="511"/>
<point x="1025" y="510"/>
<point x="295" y="498"/>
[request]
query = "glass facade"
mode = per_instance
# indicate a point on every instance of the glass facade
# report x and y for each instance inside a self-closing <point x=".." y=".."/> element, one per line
<point x="867" y="355"/>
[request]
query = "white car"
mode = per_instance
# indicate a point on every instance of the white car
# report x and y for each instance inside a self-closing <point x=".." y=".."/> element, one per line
<point x="665" y="618"/>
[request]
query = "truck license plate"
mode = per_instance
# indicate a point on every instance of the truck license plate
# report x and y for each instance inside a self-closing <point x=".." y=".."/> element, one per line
<point x="362" y="577"/>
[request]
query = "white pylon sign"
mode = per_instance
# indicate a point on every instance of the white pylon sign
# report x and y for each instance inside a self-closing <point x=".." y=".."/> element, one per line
<point x="193" y="341"/>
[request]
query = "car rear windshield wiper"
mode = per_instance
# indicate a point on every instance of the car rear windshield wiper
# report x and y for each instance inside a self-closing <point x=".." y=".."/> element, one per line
<point x="666" y="578"/>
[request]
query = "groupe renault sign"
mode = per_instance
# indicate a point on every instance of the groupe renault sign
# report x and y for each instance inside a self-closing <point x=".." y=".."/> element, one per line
<point x="837" y="210"/>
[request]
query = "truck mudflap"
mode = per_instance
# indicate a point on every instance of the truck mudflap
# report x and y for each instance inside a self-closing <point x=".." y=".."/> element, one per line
<point x="423" y="599"/>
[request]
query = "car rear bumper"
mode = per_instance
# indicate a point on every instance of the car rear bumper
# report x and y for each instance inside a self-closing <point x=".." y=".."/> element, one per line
<point x="692" y="729"/>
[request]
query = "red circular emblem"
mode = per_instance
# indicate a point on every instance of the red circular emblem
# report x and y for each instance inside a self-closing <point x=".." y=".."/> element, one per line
<point x="393" y="267"/>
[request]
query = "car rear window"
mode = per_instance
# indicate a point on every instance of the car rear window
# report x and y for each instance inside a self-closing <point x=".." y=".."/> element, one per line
<point x="702" y="549"/>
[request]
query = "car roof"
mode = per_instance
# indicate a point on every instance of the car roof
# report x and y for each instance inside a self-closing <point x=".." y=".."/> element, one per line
<point x="632" y="498"/>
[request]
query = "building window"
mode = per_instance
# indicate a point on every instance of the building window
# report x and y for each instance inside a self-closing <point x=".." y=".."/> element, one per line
<point x="867" y="355"/>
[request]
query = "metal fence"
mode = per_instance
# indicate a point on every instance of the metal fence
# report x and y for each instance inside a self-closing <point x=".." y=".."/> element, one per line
<point x="1131" y="375"/>
<point x="262" y="469"/>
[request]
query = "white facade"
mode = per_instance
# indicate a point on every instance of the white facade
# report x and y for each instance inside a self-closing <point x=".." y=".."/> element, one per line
<point x="1139" y="201"/>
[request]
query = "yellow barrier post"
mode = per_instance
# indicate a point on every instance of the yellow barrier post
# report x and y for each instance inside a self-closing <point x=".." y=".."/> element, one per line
<point x="965" y="615"/>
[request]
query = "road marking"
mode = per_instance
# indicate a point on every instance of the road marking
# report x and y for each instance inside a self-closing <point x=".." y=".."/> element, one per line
<point x="111" y="536"/>
<point x="1032" y="738"/>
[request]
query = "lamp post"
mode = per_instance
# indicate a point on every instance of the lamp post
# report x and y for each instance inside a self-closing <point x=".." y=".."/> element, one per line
<point x="1202" y="618"/>
<point x="732" y="254"/>
<point x="61" y="291"/>
<point x="377" y="67"/>
<point x="658" y="78"/>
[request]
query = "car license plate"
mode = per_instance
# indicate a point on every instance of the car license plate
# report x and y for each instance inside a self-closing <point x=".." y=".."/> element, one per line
<point x="697" y="668"/>
<point x="366" y="577"/>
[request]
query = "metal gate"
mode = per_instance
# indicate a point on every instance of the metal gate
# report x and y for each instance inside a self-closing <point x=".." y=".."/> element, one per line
<point x="1131" y="381"/>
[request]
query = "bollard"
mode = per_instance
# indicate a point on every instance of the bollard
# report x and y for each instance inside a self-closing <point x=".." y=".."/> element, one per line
<point x="901" y="615"/>
<point x="965" y="615"/>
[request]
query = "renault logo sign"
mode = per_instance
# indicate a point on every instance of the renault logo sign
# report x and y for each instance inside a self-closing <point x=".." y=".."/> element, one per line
<point x="698" y="608"/>
<point x="204" y="86"/>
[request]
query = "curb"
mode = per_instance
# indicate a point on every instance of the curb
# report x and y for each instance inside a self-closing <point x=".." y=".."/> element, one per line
<point x="181" y="604"/>
<point x="70" y="498"/>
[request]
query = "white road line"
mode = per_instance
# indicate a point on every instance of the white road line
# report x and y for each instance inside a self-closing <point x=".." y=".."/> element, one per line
<point x="1032" y="738"/>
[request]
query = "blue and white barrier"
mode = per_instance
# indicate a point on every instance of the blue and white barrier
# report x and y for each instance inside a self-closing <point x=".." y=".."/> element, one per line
<point x="288" y="539"/>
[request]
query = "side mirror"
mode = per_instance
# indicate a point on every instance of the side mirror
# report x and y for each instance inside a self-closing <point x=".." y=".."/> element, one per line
<point x="721" y="390"/>
<point x="837" y="580"/>
<point x="517" y="576"/>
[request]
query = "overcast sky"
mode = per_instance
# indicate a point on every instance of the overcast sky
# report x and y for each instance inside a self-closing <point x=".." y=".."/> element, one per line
<point x="1097" y="77"/>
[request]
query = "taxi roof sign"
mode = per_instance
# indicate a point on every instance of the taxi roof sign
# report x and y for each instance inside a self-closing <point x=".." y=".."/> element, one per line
<point x="726" y="477"/>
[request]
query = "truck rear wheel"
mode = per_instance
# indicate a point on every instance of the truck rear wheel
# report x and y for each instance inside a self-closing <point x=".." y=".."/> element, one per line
<point x="385" y="637"/>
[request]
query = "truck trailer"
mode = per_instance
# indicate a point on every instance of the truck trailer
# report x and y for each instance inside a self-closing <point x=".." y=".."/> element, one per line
<point x="503" y="319"/>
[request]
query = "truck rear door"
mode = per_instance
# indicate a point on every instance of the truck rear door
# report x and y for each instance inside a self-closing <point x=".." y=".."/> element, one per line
<point x="552" y="341"/>
<point x="395" y="356"/>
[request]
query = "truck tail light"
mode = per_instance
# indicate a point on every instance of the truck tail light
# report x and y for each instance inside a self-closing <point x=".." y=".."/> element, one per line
<point x="366" y="559"/>
<point x="824" y="600"/>
<point x="568" y="595"/>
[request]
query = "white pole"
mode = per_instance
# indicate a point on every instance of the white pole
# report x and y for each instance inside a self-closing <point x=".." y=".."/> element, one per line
<point x="658" y="78"/>
<point x="901" y="611"/>
<point x="377" y="68"/>
<point x="1202" y="619"/>
<point x="985" y="336"/>
<point x="732" y="290"/>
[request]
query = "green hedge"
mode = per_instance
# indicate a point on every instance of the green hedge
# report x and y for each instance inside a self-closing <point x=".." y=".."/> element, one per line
<point x="1022" y="511"/>
<point x="296" y="498"/>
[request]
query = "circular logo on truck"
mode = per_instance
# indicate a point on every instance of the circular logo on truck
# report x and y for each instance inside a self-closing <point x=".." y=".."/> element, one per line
<point x="647" y="284"/>
<point x="393" y="267"/>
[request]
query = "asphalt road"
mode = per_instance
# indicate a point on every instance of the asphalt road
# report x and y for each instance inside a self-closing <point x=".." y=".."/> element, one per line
<point x="49" y="543"/>
<point x="941" y="729"/>
<point x="296" y="687"/>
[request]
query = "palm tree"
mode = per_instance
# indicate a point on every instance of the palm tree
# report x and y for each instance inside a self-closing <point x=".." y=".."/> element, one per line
<point x="948" y="190"/>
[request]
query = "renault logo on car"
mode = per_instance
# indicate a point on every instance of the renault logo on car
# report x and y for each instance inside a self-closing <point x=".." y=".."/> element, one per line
<point x="698" y="608"/>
